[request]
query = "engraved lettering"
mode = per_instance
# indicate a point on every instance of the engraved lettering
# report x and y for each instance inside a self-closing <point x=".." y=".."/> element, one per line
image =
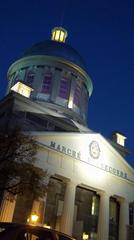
<point x="74" y="154"/>
<point x="63" y="149"/>
<point x="58" y="147"/>
<point x="79" y="155"/>
<point x="52" y="144"/>
<point x="69" y="151"/>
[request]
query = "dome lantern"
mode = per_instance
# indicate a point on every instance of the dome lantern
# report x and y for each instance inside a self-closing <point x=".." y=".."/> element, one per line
<point x="59" y="34"/>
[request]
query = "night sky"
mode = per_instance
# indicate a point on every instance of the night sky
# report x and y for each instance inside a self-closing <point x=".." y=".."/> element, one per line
<point x="102" y="31"/>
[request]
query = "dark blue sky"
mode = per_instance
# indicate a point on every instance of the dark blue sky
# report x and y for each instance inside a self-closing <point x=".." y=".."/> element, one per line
<point x="102" y="32"/>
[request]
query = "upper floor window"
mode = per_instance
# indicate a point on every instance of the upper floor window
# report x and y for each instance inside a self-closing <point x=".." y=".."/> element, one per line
<point x="46" y="84"/>
<point x="30" y="77"/>
<point x="64" y="87"/>
<point x="85" y="97"/>
<point x="77" y="94"/>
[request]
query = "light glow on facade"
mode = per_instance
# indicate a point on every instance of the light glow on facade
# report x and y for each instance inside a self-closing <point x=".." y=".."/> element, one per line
<point x="22" y="89"/>
<point x="34" y="218"/>
<point x="70" y="104"/>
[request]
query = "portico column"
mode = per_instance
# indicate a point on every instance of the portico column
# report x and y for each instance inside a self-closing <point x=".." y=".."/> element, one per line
<point x="103" y="224"/>
<point x="39" y="208"/>
<point x="66" y="224"/>
<point x="7" y="207"/>
<point x="124" y="219"/>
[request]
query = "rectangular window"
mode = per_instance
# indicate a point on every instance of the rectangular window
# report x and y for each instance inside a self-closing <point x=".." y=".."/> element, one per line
<point x="85" y="98"/>
<point x="29" y="77"/>
<point x="46" y="84"/>
<point x="64" y="88"/>
<point x="77" y="94"/>
<point x="131" y="215"/>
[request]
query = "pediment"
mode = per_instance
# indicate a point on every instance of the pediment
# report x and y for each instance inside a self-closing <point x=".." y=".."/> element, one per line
<point x="90" y="148"/>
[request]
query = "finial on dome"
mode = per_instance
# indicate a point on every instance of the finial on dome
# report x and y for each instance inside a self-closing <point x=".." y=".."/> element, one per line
<point x="59" y="34"/>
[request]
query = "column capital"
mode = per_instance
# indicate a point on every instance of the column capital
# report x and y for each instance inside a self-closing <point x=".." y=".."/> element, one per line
<point x="104" y="194"/>
<point x="70" y="182"/>
<point x="122" y="200"/>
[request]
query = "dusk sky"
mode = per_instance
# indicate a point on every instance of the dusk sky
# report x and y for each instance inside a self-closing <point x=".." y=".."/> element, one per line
<point x="101" y="31"/>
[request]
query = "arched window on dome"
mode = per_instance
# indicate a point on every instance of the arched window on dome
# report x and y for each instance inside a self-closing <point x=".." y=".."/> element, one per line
<point x="77" y="93"/>
<point x="46" y="83"/>
<point x="64" y="87"/>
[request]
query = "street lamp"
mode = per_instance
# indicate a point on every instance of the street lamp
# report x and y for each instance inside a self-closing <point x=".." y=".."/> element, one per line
<point x="85" y="236"/>
<point x="33" y="218"/>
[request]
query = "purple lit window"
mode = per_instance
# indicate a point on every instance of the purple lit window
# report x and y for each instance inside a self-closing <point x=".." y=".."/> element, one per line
<point x="30" y="77"/>
<point x="46" y="85"/>
<point x="85" y="97"/>
<point x="64" y="88"/>
<point x="77" y="94"/>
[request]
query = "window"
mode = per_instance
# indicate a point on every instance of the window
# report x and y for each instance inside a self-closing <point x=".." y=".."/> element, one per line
<point x="64" y="88"/>
<point x="86" y="212"/>
<point x="131" y="214"/>
<point x="46" y="84"/>
<point x="113" y="211"/>
<point x="77" y="94"/>
<point x="85" y="97"/>
<point x="95" y="205"/>
<point x="30" y="77"/>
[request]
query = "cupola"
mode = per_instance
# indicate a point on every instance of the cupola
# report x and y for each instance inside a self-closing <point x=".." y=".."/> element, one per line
<point x="59" y="34"/>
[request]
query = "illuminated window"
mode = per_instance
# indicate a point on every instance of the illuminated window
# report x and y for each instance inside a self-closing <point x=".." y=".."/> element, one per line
<point x="114" y="211"/>
<point x="30" y="78"/>
<point x="77" y="94"/>
<point x="85" y="97"/>
<point x="64" y="88"/>
<point x="46" y="84"/>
